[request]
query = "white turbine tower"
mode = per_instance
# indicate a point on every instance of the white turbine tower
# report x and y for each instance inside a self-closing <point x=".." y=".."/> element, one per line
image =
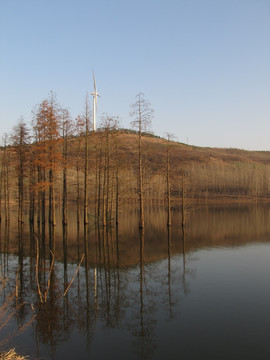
<point x="95" y="95"/>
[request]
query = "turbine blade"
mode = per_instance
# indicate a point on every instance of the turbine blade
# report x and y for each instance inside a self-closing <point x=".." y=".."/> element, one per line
<point x="95" y="87"/>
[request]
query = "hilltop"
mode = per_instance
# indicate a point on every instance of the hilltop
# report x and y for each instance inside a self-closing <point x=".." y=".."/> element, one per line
<point x="210" y="173"/>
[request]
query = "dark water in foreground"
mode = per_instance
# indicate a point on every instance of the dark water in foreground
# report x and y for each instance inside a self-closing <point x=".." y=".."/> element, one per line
<point x="202" y="294"/>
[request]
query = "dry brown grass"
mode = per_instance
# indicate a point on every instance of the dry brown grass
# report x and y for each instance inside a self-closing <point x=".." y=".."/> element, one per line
<point x="214" y="172"/>
<point x="11" y="355"/>
<point x="7" y="312"/>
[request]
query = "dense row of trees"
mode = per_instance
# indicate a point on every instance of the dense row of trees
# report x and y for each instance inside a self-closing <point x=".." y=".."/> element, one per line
<point x="58" y="143"/>
<point x="60" y="160"/>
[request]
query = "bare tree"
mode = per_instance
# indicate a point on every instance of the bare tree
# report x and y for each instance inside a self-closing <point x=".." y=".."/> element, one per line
<point x="109" y="125"/>
<point x="168" y="178"/>
<point x="66" y="127"/>
<point x="86" y="117"/>
<point x="185" y="184"/>
<point x="142" y="115"/>
<point x="1" y="186"/>
<point x="48" y="156"/>
<point x="79" y="128"/>
<point x="20" y="140"/>
<point x="5" y="175"/>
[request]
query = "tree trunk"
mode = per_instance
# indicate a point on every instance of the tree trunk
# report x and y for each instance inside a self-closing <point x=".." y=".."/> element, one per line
<point x="141" y="223"/>
<point x="183" y="202"/>
<point x="78" y="191"/>
<point x="64" y="198"/>
<point x="1" y="185"/>
<point x="117" y="188"/>
<point x="104" y="192"/>
<point x="86" y="176"/>
<point x="169" y="220"/>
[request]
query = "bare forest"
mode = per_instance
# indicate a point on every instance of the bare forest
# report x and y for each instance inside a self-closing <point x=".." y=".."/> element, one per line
<point x="61" y="161"/>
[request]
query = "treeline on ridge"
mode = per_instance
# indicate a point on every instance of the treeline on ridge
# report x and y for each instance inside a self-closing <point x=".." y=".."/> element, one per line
<point x="63" y="161"/>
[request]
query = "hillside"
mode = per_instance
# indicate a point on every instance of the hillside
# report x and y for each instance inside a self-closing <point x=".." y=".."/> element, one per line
<point x="209" y="173"/>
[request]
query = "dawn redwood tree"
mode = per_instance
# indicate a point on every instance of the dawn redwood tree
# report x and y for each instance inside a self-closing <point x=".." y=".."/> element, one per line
<point x="20" y="141"/>
<point x="86" y="119"/>
<point x="184" y="189"/>
<point x="142" y="115"/>
<point x="1" y="185"/>
<point x="5" y="175"/>
<point x="116" y="167"/>
<point x="32" y="183"/>
<point x="79" y="128"/>
<point x="66" y="129"/>
<point x="109" y="125"/>
<point x="168" y="178"/>
<point x="99" y="166"/>
<point x="48" y="156"/>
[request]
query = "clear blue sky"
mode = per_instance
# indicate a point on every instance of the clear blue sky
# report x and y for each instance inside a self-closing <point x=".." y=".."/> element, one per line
<point x="203" y="64"/>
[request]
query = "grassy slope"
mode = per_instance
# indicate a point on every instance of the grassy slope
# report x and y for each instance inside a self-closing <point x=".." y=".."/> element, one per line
<point x="221" y="171"/>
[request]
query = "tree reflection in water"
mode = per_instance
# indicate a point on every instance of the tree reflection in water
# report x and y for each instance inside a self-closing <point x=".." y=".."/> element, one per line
<point x="127" y="279"/>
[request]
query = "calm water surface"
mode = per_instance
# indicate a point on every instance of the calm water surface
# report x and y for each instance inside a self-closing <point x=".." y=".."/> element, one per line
<point x="201" y="294"/>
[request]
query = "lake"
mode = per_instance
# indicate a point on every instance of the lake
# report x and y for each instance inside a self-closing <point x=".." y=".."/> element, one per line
<point x="158" y="294"/>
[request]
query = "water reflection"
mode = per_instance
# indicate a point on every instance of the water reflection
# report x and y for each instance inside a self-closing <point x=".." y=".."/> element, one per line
<point x="169" y="269"/>
<point x="129" y="282"/>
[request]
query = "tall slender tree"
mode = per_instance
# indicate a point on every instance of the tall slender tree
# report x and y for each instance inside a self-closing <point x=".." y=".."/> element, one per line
<point x="184" y="188"/>
<point x="109" y="125"/>
<point x="66" y="129"/>
<point x="1" y="186"/>
<point x="79" y="128"/>
<point x="86" y="117"/>
<point x="168" y="178"/>
<point x="142" y="115"/>
<point x="5" y="175"/>
<point x="20" y="140"/>
<point x="48" y="153"/>
<point x="117" y="166"/>
<point x="32" y="182"/>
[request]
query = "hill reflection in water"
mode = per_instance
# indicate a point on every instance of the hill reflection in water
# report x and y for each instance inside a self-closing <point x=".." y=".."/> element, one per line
<point x="139" y="291"/>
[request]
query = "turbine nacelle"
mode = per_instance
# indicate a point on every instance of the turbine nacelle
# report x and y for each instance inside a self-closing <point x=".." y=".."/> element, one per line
<point x="95" y="95"/>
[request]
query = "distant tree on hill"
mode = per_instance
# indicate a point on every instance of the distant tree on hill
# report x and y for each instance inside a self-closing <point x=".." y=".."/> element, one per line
<point x="20" y="141"/>
<point x="142" y="115"/>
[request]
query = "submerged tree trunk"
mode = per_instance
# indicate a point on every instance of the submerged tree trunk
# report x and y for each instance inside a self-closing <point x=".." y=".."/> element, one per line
<point x="86" y="164"/>
<point x="64" y="199"/>
<point x="104" y="192"/>
<point x="79" y="126"/>
<point x="6" y="179"/>
<point x="31" y="193"/>
<point x="141" y="223"/>
<point x="96" y="187"/>
<point x="108" y="176"/>
<point x="99" y="185"/>
<point x="183" y="200"/>
<point x="78" y="192"/>
<point x="20" y="140"/>
<point x="142" y="114"/>
<point x="51" y="198"/>
<point x="117" y="188"/>
<point x="1" y="185"/>
<point x="169" y="220"/>
<point x="64" y="195"/>
<point x="66" y="125"/>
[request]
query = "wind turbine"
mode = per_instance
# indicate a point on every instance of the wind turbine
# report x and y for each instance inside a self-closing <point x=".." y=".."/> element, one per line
<point x="95" y="95"/>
